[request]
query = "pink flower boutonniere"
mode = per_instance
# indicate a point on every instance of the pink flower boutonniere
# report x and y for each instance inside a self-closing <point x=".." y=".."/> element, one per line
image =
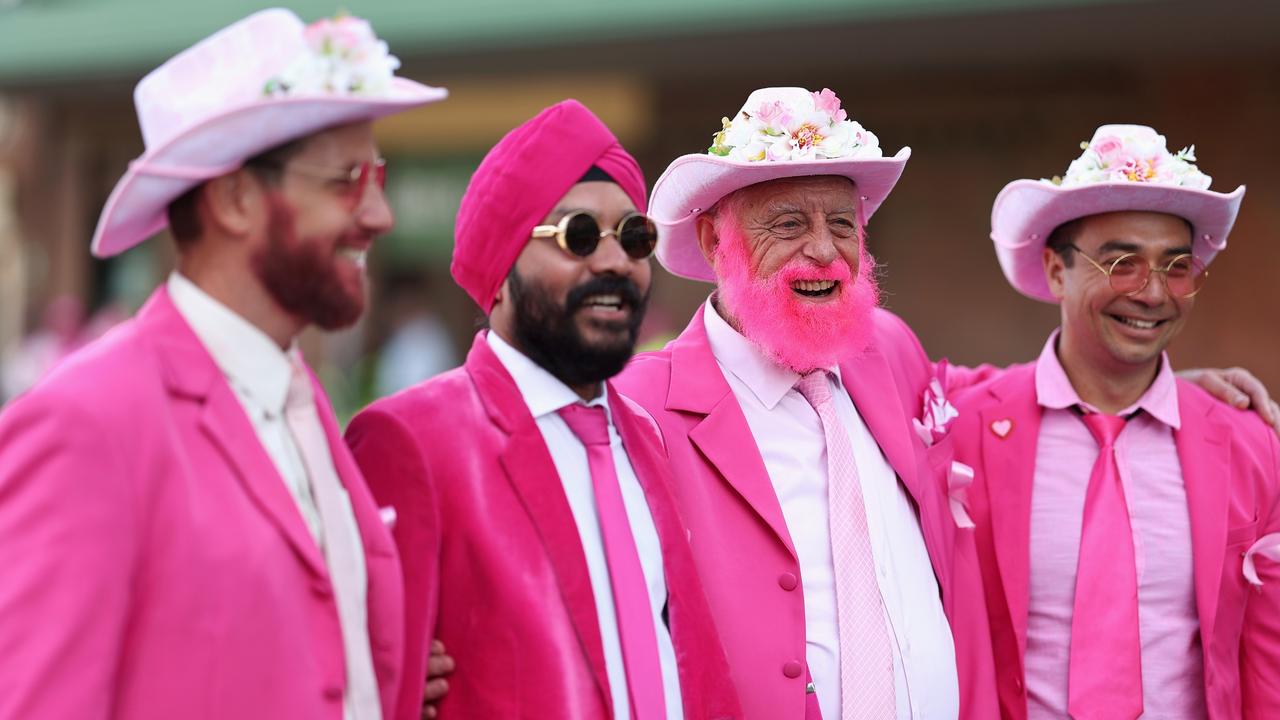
<point x="932" y="425"/>
<point x="938" y="412"/>
<point x="1268" y="546"/>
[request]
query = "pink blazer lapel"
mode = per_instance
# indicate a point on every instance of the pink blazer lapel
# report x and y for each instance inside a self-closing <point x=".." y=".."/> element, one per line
<point x="722" y="435"/>
<point x="190" y="372"/>
<point x="532" y="474"/>
<point x="1010" y="431"/>
<point x="1204" y="451"/>
<point x="704" y="673"/>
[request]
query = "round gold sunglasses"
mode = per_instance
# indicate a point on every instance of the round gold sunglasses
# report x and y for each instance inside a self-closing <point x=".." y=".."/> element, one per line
<point x="579" y="233"/>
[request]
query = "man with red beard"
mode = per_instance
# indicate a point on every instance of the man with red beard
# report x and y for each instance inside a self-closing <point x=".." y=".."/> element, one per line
<point x="534" y="513"/>
<point x="185" y="532"/>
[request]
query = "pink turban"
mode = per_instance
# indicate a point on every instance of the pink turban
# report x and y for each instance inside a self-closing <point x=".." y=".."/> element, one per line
<point x="520" y="181"/>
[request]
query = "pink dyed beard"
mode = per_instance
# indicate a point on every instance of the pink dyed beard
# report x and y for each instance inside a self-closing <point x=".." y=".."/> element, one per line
<point x="797" y="334"/>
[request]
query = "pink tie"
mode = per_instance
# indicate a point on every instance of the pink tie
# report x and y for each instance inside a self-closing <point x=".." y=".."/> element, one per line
<point x="342" y="552"/>
<point x="866" y="655"/>
<point x="630" y="592"/>
<point x="1106" y="661"/>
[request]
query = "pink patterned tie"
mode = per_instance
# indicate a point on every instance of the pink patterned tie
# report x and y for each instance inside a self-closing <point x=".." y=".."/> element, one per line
<point x="866" y="653"/>
<point x="630" y="592"/>
<point x="1105" y="678"/>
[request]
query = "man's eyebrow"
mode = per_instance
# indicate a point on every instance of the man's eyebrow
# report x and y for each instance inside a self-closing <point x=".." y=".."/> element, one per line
<point x="1118" y="246"/>
<point x="841" y="211"/>
<point x="1129" y="247"/>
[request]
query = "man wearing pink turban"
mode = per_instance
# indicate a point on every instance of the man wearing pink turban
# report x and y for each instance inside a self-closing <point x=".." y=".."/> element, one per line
<point x="535" y="519"/>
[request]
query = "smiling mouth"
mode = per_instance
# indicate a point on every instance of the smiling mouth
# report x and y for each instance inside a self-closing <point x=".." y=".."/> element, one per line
<point x="1137" y="323"/>
<point x="608" y="301"/>
<point x="815" y="288"/>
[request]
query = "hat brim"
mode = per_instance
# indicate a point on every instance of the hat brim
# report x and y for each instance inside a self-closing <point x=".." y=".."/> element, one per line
<point x="137" y="206"/>
<point x="694" y="183"/>
<point x="1027" y="211"/>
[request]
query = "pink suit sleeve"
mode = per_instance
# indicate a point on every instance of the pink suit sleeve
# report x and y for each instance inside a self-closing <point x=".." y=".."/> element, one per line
<point x="1260" y="643"/>
<point x="68" y="539"/>
<point x="390" y="459"/>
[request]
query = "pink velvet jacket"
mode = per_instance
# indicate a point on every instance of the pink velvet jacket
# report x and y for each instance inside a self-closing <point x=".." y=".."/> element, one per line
<point x="739" y="537"/>
<point x="1231" y="468"/>
<point x="155" y="565"/>
<point x="493" y="564"/>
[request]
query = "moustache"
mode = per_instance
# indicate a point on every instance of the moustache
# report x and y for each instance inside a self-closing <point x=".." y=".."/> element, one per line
<point x="624" y="288"/>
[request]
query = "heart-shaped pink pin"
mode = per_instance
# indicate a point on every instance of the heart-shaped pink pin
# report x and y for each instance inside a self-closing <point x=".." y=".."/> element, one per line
<point x="1002" y="428"/>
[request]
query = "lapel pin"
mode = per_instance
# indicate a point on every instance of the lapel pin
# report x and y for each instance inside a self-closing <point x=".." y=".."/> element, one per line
<point x="1002" y="428"/>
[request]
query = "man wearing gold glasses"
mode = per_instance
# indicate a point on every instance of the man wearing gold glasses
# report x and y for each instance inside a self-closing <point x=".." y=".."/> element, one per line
<point x="1128" y="525"/>
<point x="535" y="522"/>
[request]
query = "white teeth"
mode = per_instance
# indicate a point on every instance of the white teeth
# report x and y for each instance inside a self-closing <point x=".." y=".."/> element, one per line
<point x="607" y="300"/>
<point x="355" y="255"/>
<point x="813" y="285"/>
<point x="1140" y="324"/>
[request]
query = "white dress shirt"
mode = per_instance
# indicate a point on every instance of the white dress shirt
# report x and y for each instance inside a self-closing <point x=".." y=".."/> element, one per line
<point x="789" y="436"/>
<point x="544" y="394"/>
<point x="259" y="372"/>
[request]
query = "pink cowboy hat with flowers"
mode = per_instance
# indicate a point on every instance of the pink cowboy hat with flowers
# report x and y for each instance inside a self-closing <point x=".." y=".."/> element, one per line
<point x="259" y="83"/>
<point x="1124" y="167"/>
<point x="779" y="133"/>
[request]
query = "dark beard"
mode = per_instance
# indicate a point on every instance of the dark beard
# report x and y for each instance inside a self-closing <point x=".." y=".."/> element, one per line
<point x="548" y="335"/>
<point x="301" y="277"/>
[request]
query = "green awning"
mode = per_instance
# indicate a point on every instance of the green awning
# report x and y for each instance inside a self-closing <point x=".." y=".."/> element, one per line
<point x="78" y="40"/>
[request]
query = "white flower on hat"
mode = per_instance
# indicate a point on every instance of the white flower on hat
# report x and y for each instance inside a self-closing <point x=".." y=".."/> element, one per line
<point x="342" y="57"/>
<point x="1134" y="154"/>
<point x="801" y="126"/>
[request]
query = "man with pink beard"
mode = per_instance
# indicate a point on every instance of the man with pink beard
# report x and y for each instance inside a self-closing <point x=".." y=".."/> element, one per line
<point x="784" y="400"/>
<point x="826" y="512"/>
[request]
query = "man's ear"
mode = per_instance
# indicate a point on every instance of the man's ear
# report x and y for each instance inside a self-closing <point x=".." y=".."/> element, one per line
<point x="1054" y="269"/>
<point x="705" y="226"/>
<point x="233" y="202"/>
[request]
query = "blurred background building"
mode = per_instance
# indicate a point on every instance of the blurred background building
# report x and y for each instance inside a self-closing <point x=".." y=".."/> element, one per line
<point x="984" y="91"/>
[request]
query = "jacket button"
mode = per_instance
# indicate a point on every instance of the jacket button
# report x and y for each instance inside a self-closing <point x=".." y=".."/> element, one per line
<point x="787" y="581"/>
<point x="792" y="669"/>
<point x="333" y="692"/>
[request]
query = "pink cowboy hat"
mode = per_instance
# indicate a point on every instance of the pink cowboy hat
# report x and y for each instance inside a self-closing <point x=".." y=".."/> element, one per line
<point x="1124" y="167"/>
<point x="778" y="133"/>
<point x="257" y="84"/>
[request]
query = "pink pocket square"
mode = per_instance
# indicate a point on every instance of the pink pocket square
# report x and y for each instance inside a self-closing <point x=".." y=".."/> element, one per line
<point x="388" y="515"/>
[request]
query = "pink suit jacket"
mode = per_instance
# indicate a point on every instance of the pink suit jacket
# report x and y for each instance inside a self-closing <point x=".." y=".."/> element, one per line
<point x="155" y="564"/>
<point x="739" y="537"/>
<point x="1231" y="469"/>
<point x="493" y="564"/>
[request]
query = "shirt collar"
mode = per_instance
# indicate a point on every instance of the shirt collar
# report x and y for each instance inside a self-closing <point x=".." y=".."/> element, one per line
<point x="737" y="355"/>
<point x="1054" y="389"/>
<point x="543" y="392"/>
<point x="250" y="360"/>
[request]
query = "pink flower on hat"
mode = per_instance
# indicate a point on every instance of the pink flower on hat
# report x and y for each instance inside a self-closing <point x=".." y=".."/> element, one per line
<point x="343" y="57"/>
<point x="794" y="124"/>
<point x="1139" y="156"/>
<point x="827" y="102"/>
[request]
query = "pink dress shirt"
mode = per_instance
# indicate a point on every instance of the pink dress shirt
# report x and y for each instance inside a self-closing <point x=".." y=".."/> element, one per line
<point x="1172" y="660"/>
